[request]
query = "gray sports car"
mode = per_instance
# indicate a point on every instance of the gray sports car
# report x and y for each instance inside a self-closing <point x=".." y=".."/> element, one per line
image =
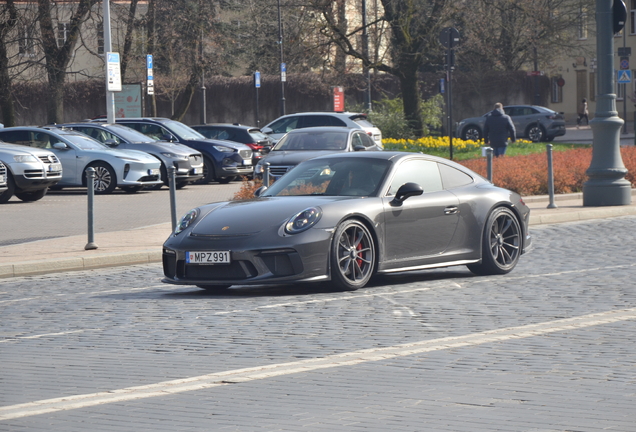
<point x="345" y="217"/>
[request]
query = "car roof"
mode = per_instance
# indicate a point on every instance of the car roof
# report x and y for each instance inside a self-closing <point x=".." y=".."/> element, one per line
<point x="315" y="129"/>
<point x="226" y="125"/>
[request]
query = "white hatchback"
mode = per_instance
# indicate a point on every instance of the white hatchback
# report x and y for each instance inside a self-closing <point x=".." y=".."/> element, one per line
<point x="279" y="127"/>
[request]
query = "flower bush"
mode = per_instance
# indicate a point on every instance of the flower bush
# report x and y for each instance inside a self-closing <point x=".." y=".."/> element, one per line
<point x="437" y="143"/>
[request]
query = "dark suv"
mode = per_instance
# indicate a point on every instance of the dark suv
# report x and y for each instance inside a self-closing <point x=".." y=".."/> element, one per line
<point x="251" y="136"/>
<point x="223" y="161"/>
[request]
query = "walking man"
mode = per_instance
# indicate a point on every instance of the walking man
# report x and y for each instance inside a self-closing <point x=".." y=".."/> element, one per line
<point x="497" y="129"/>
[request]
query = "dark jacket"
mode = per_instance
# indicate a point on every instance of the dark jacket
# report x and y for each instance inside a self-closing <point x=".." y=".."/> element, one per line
<point x="498" y="128"/>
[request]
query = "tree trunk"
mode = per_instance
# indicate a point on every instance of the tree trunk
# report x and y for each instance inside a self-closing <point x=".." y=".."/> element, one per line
<point x="411" y="97"/>
<point x="188" y="93"/>
<point x="6" y="97"/>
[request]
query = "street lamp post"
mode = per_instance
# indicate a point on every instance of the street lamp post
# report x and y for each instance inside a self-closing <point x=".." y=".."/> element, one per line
<point x="606" y="185"/>
<point x="283" y="71"/>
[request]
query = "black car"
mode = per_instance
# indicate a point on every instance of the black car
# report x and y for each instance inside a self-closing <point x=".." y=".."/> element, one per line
<point x="251" y="136"/>
<point x="187" y="162"/>
<point x="223" y="161"/>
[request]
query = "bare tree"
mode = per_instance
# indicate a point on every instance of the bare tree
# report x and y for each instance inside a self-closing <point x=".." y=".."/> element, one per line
<point x="58" y="52"/>
<point x="8" y="21"/>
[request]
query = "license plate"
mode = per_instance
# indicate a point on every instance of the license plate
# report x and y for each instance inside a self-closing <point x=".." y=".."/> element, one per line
<point x="247" y="161"/>
<point x="55" y="167"/>
<point x="211" y="257"/>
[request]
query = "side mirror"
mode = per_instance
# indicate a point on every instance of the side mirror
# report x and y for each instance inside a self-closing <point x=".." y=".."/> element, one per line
<point x="167" y="137"/>
<point x="265" y="150"/>
<point x="405" y="191"/>
<point x="258" y="192"/>
<point x="267" y="130"/>
<point x="111" y="143"/>
<point x="359" y="147"/>
<point x="60" y="146"/>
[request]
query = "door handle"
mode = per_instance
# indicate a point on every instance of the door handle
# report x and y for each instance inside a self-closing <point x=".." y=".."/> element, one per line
<point x="451" y="210"/>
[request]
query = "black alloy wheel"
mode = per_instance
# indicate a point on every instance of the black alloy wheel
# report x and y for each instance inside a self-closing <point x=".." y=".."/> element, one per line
<point x="352" y="256"/>
<point x="471" y="133"/>
<point x="501" y="245"/>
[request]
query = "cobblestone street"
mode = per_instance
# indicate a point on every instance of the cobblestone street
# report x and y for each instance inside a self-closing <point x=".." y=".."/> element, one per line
<point x="548" y="347"/>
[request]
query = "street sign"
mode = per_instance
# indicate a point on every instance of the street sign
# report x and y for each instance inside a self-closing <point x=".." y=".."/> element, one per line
<point x="283" y="72"/>
<point x="624" y="51"/>
<point x="624" y="77"/>
<point x="338" y="99"/>
<point x="449" y="37"/>
<point x="113" y="80"/>
<point x="624" y="63"/>
<point x="257" y="79"/>
<point x="150" y="82"/>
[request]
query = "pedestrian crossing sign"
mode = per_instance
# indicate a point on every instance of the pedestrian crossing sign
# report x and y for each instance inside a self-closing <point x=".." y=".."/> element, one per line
<point x="624" y="76"/>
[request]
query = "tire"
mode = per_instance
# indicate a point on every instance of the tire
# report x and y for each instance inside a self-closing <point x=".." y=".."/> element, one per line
<point x="7" y="194"/>
<point x="105" y="178"/>
<point x="215" y="288"/>
<point x="352" y="256"/>
<point x="535" y="133"/>
<point x="471" y="133"/>
<point x="208" y="171"/>
<point x="132" y="189"/>
<point x="226" y="180"/>
<point x="32" y="195"/>
<point x="501" y="243"/>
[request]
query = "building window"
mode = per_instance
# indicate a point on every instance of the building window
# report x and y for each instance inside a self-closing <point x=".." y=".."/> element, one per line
<point x="592" y="86"/>
<point x="62" y="34"/>
<point x="632" y="17"/>
<point x="557" y="90"/>
<point x="26" y="44"/>
<point x="582" y="27"/>
<point x="100" y="39"/>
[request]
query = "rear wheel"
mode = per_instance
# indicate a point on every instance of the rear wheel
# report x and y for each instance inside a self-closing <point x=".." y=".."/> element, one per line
<point x="352" y="256"/>
<point x="501" y="245"/>
<point x="535" y="132"/>
<point x="31" y="195"/>
<point x="8" y="193"/>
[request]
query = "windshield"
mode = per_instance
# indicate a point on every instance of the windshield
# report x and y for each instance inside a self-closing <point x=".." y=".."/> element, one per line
<point x="183" y="131"/>
<point x="130" y="135"/>
<point x="332" y="177"/>
<point x="313" y="141"/>
<point x="85" y="142"/>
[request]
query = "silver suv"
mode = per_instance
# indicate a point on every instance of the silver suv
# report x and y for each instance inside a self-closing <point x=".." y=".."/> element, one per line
<point x="279" y="127"/>
<point x="29" y="171"/>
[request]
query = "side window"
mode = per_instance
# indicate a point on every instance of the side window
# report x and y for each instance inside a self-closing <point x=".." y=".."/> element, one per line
<point x="420" y="171"/>
<point x="153" y="131"/>
<point x="367" y="141"/>
<point x="356" y="140"/>
<point x="16" y="137"/>
<point x="42" y="140"/>
<point x="453" y="178"/>
<point x="285" y="125"/>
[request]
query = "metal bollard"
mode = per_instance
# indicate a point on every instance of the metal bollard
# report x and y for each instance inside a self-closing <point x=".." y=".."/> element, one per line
<point x="266" y="174"/>
<point x="489" y="153"/>
<point x="172" y="185"/>
<point x="550" y="177"/>
<point x="90" y="184"/>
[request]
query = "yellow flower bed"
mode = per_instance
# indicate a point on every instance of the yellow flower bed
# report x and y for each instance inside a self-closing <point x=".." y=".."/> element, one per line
<point x="435" y="143"/>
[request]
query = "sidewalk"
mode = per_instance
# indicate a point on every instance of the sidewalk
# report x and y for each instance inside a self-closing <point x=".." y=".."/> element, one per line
<point x="143" y="245"/>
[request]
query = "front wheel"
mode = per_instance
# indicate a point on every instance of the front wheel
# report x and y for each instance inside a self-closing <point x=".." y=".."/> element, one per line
<point x="501" y="245"/>
<point x="352" y="256"/>
<point x="32" y="196"/>
<point x="8" y="193"/>
<point x="471" y="133"/>
<point x="105" y="178"/>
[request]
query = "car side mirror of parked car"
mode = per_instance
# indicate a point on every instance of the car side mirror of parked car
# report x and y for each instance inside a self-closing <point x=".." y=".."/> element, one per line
<point x="359" y="147"/>
<point x="260" y="190"/>
<point x="60" y="146"/>
<point x="405" y="191"/>
<point x="167" y="137"/>
<point x="265" y="150"/>
<point x="111" y="143"/>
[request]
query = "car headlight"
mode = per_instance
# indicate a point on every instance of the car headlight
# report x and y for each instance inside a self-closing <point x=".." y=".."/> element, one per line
<point x="224" y="149"/>
<point x="186" y="220"/>
<point x="170" y="155"/>
<point x="303" y="221"/>
<point x="25" y="158"/>
<point x="258" y="169"/>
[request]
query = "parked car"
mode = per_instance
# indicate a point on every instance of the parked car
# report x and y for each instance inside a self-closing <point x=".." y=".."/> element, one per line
<point x="131" y="170"/>
<point x="345" y="217"/>
<point x="249" y="135"/>
<point x="223" y="161"/>
<point x="187" y="161"/>
<point x="29" y="172"/>
<point x="532" y="122"/>
<point x="302" y="144"/>
<point x="279" y="127"/>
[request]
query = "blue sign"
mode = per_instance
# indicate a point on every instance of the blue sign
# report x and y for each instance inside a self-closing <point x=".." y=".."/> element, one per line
<point x="283" y="67"/>
<point x="257" y="79"/>
<point x="624" y="76"/>
<point x="149" y="61"/>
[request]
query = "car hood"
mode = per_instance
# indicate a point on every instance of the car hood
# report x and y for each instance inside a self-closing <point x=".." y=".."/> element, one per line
<point x="125" y="153"/>
<point x="165" y="146"/>
<point x="16" y="149"/>
<point x="237" y="217"/>
<point x="291" y="157"/>
<point x="232" y="144"/>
